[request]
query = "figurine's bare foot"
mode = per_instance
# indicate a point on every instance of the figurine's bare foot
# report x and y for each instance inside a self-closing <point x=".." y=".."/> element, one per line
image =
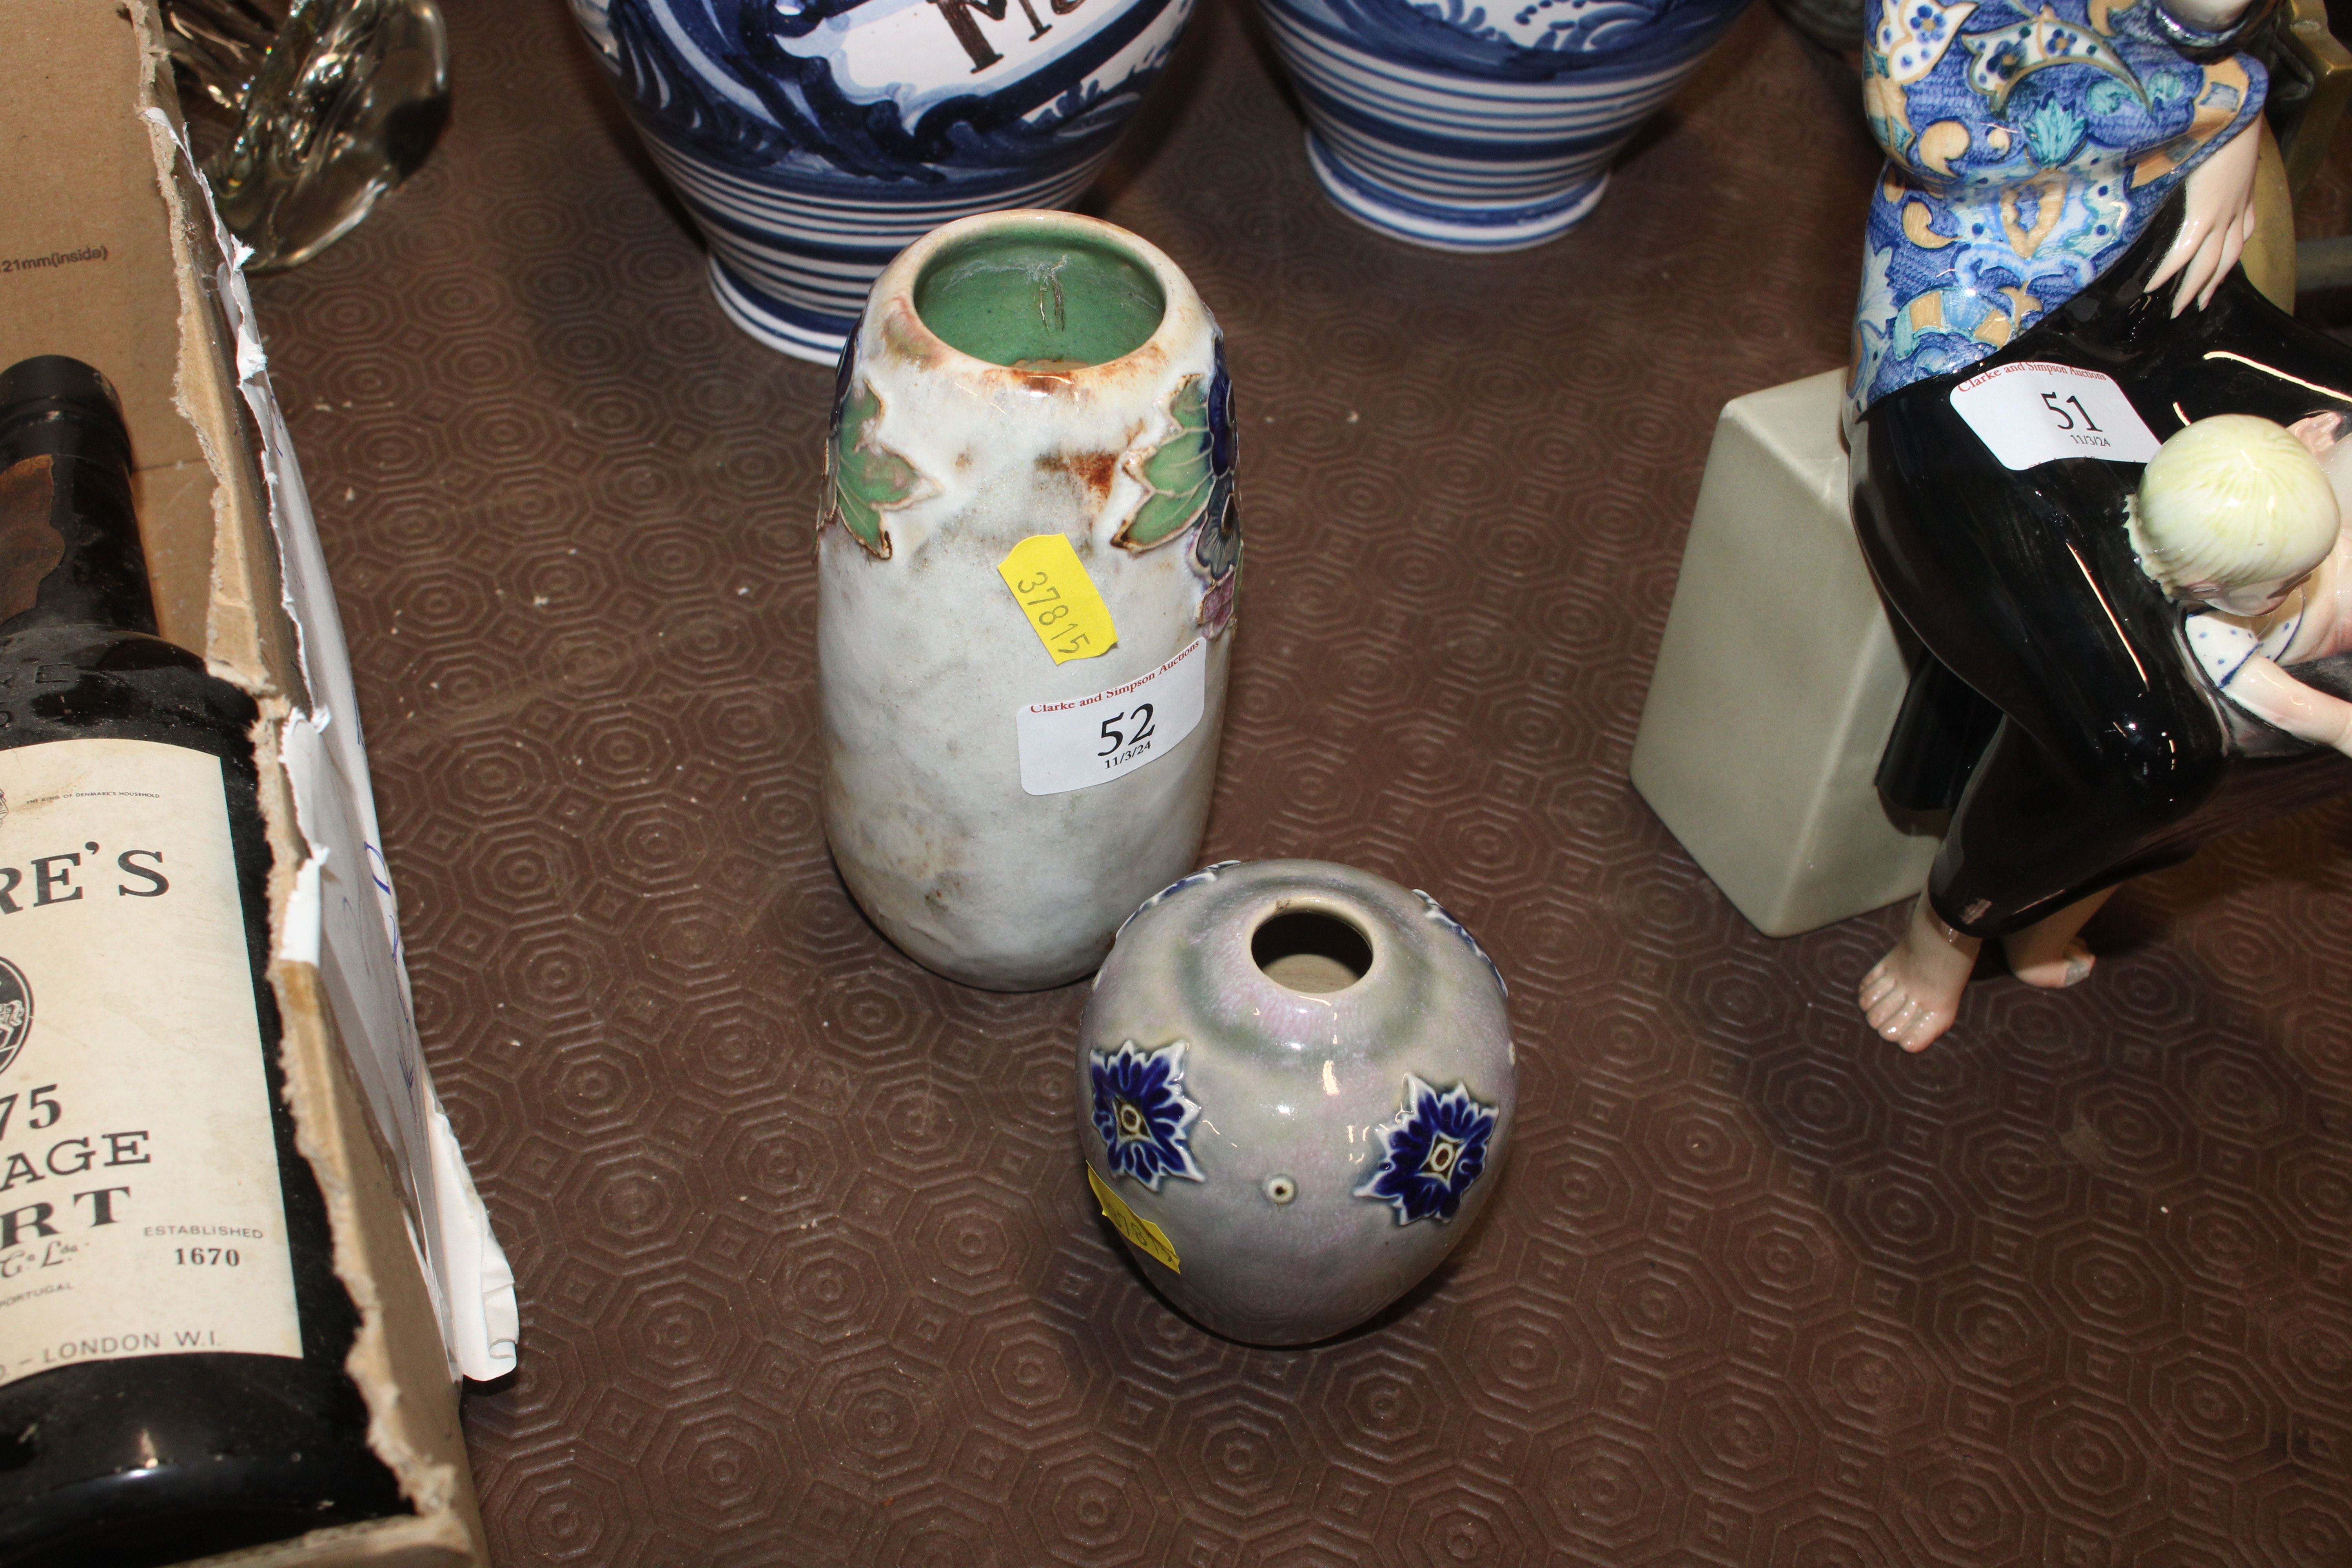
<point x="1912" y="995"/>
<point x="2047" y="952"/>
<point x="2070" y="967"/>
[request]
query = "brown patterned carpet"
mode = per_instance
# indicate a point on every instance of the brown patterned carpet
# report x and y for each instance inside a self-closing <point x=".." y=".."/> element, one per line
<point x="809" y="1271"/>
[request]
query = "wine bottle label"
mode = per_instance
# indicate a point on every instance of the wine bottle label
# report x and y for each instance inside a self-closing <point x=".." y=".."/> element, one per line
<point x="140" y="1207"/>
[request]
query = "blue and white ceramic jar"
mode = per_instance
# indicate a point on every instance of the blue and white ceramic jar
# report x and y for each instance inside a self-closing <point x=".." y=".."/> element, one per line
<point x="814" y="140"/>
<point x="1295" y="1088"/>
<point x="1452" y="125"/>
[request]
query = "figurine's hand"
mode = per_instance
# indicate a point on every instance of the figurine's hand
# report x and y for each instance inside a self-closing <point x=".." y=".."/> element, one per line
<point x="2268" y="692"/>
<point x="2219" y="220"/>
<point x="2320" y="434"/>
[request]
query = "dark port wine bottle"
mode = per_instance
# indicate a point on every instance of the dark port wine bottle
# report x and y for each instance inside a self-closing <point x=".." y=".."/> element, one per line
<point x="172" y="1331"/>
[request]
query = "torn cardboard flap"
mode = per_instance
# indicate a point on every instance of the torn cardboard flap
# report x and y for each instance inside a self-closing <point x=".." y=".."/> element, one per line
<point x="349" y="924"/>
<point x="110" y="251"/>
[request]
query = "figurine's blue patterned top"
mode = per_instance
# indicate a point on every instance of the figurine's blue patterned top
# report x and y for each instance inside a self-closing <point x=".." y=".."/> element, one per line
<point x="2029" y="143"/>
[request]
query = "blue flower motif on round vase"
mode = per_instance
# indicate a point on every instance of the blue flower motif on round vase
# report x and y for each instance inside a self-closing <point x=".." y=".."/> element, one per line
<point x="1436" y="1148"/>
<point x="1444" y="917"/>
<point x="1143" y="1113"/>
<point x="1206" y="874"/>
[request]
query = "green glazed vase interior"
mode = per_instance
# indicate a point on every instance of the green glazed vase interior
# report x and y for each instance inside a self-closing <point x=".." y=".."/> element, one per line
<point x="1040" y="300"/>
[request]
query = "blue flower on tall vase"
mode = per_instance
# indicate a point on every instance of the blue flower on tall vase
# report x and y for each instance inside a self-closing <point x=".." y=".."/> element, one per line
<point x="1142" y="1114"/>
<point x="1436" y="1147"/>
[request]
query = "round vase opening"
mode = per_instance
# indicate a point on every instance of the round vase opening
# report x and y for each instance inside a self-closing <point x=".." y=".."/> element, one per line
<point x="1311" y="951"/>
<point x="1040" y="300"/>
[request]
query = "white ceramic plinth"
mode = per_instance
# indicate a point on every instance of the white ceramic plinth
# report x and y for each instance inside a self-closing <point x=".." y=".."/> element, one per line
<point x="1778" y="679"/>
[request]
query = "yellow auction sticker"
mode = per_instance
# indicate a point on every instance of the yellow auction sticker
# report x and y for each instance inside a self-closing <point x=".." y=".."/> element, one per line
<point x="1147" y="1237"/>
<point x="1051" y="585"/>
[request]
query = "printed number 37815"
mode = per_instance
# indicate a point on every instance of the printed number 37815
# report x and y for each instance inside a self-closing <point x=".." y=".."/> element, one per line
<point x="1045" y="594"/>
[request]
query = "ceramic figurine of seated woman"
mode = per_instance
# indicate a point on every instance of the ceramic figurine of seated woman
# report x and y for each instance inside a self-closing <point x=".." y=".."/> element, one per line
<point x="2240" y="520"/>
<point x="2050" y="288"/>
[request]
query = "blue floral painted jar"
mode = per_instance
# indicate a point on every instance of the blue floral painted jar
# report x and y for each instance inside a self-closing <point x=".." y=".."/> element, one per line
<point x="1295" y="1086"/>
<point x="1468" y="128"/>
<point x="814" y="140"/>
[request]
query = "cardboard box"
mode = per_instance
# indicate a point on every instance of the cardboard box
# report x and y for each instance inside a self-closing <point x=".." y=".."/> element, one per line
<point x="110" y="251"/>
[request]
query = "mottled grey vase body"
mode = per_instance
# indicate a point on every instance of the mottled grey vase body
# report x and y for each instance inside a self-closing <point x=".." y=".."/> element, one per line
<point x="943" y="464"/>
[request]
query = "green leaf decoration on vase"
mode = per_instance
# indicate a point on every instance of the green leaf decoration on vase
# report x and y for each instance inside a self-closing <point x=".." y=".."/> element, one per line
<point x="1179" y="472"/>
<point x="868" y="478"/>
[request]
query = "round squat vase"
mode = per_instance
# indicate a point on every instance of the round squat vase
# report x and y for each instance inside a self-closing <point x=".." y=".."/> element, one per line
<point x="814" y="140"/>
<point x="1026" y="565"/>
<point x="1465" y="127"/>
<point x="1295" y="1088"/>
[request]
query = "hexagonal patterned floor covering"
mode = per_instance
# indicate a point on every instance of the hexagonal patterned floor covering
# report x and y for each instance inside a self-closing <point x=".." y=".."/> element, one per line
<point x="809" y="1271"/>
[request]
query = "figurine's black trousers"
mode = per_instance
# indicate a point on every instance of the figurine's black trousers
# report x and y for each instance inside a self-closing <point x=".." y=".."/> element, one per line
<point x="2107" y="755"/>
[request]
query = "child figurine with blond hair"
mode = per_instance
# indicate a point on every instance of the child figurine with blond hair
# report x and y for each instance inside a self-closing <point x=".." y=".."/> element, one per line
<point x="2243" y="519"/>
<point x="2242" y="516"/>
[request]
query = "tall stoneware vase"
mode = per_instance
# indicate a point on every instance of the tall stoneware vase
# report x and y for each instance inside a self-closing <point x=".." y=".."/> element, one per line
<point x="813" y="139"/>
<point x="1027" y="564"/>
